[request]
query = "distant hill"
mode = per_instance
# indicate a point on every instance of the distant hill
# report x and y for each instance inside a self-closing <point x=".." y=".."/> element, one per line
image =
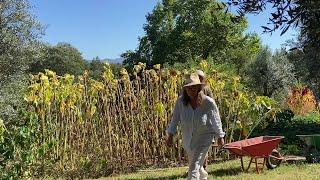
<point x="114" y="61"/>
<point x="111" y="61"/>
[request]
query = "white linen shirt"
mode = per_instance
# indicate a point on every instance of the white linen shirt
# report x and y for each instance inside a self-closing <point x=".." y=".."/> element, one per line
<point x="198" y="126"/>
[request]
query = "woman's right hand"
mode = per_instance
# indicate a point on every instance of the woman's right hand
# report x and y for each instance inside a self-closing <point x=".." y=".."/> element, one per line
<point x="169" y="140"/>
<point x="220" y="141"/>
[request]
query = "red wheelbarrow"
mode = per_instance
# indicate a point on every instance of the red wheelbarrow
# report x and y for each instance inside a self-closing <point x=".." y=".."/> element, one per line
<point x="263" y="147"/>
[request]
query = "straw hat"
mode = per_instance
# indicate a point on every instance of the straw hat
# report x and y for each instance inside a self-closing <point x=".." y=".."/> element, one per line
<point x="192" y="79"/>
<point x="200" y="73"/>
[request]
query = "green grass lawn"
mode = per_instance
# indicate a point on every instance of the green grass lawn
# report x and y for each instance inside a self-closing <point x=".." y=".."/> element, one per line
<point x="231" y="170"/>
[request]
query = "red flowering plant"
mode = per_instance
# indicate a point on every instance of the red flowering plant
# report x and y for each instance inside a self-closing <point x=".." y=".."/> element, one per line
<point x="301" y="100"/>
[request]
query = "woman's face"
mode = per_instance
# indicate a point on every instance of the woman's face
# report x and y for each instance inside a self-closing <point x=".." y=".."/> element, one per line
<point x="193" y="91"/>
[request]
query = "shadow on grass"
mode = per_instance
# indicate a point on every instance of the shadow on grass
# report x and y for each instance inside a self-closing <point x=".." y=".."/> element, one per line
<point x="168" y="177"/>
<point x="232" y="171"/>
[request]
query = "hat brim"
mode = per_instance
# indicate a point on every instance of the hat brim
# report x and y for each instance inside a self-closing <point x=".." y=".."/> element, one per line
<point x="200" y="73"/>
<point x="193" y="84"/>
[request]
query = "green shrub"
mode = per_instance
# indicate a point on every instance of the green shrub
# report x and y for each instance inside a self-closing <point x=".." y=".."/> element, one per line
<point x="313" y="117"/>
<point x="289" y="126"/>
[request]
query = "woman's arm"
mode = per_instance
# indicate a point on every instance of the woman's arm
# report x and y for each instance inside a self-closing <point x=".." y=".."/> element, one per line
<point x="172" y="128"/>
<point x="217" y="125"/>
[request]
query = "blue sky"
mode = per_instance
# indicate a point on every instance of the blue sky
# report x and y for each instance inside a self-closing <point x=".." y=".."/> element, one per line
<point x="107" y="28"/>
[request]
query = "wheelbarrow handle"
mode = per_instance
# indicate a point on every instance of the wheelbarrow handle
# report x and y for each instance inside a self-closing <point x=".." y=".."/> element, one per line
<point x="230" y="147"/>
<point x="277" y="158"/>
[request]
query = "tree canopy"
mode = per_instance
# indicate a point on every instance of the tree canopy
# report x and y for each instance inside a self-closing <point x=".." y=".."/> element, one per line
<point x="270" y="73"/>
<point x="304" y="14"/>
<point x="62" y="58"/>
<point x="19" y="37"/>
<point x="180" y="30"/>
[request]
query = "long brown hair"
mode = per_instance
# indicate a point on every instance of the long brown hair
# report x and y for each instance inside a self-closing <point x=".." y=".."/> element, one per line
<point x="186" y="99"/>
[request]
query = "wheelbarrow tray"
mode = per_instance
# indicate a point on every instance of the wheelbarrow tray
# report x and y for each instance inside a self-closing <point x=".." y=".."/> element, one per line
<point x="258" y="147"/>
<point x="261" y="146"/>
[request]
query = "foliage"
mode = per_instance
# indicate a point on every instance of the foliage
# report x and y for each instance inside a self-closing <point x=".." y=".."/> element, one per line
<point x="290" y="125"/>
<point x="296" y="57"/>
<point x="88" y="128"/>
<point x="270" y="74"/>
<point x="227" y="68"/>
<point x="21" y="150"/>
<point x="19" y="37"/>
<point x="285" y="14"/>
<point x="313" y="117"/>
<point x="180" y="31"/>
<point x="304" y="16"/>
<point x="2" y="130"/>
<point x="62" y="58"/>
<point x="305" y="60"/>
<point x="11" y="96"/>
<point x="301" y="14"/>
<point x="301" y="100"/>
<point x="96" y="68"/>
<point x="312" y="57"/>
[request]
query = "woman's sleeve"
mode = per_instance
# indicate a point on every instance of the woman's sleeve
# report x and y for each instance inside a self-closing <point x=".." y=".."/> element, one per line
<point x="217" y="125"/>
<point x="172" y="128"/>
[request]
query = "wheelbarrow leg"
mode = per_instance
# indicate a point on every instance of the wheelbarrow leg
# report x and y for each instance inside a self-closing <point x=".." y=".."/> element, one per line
<point x="253" y="160"/>
<point x="264" y="163"/>
<point x="257" y="168"/>
<point x="249" y="165"/>
<point x="242" y="167"/>
<point x="260" y="169"/>
<point x="242" y="164"/>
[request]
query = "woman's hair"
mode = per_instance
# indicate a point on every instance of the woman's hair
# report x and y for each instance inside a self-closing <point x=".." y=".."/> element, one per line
<point x="204" y="80"/>
<point x="186" y="98"/>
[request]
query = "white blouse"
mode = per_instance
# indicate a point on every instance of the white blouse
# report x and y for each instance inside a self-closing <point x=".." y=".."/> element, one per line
<point x="198" y="126"/>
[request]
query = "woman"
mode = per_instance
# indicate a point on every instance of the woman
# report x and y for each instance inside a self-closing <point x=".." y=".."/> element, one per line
<point x="200" y="121"/>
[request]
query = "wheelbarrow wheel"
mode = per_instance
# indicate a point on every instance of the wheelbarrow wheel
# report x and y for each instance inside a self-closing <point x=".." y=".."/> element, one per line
<point x="273" y="162"/>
